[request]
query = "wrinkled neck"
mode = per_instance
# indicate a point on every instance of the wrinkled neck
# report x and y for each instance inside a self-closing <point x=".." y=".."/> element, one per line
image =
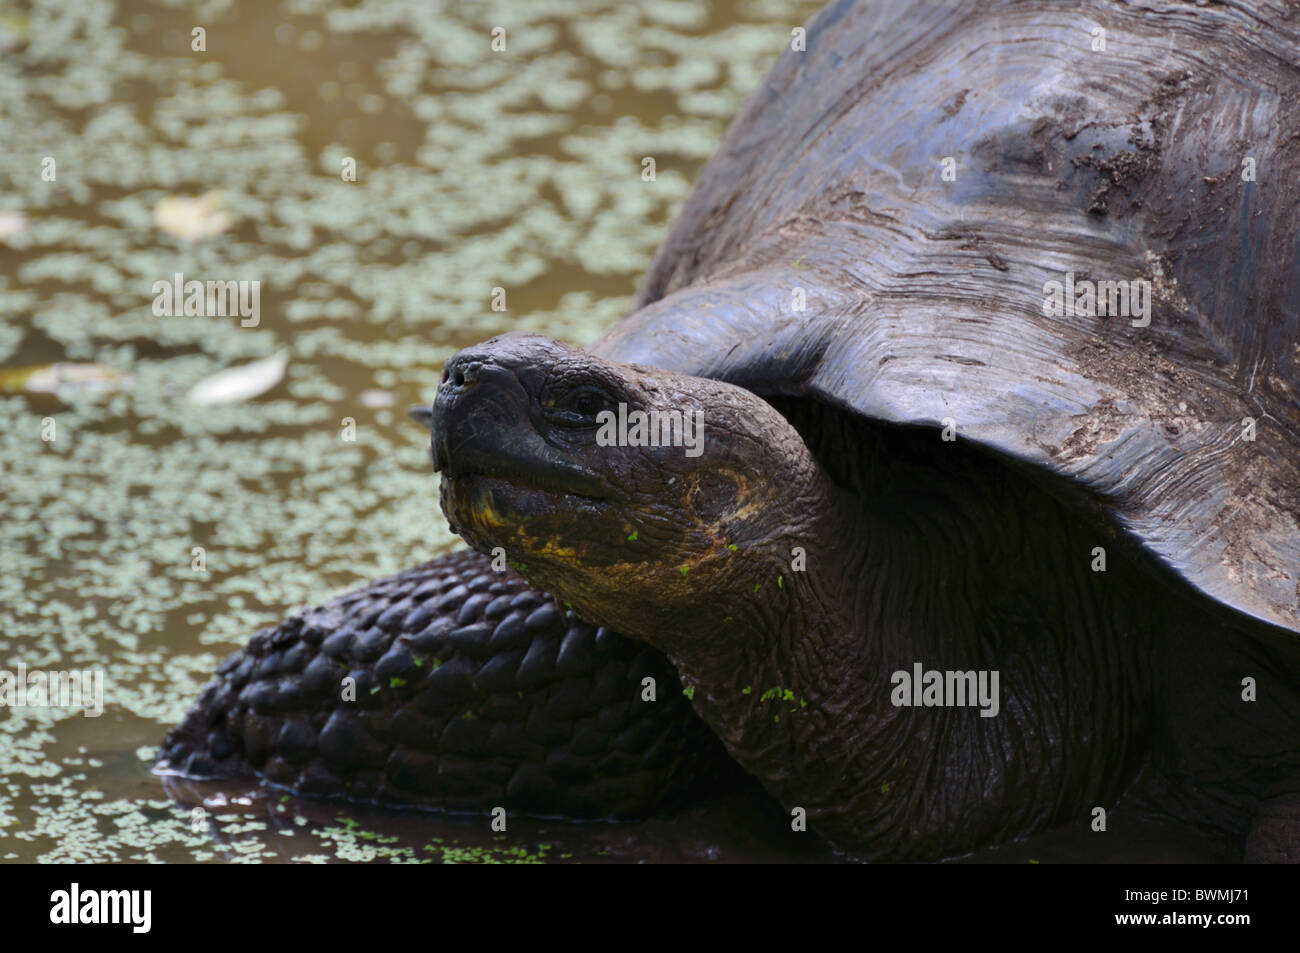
<point x="789" y="676"/>
<point x="798" y="578"/>
<point x="955" y="565"/>
<point x="791" y="681"/>
<point x="786" y="565"/>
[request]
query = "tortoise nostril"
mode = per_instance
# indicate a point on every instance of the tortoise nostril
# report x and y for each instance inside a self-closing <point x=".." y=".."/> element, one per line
<point x="444" y="376"/>
<point x="460" y="378"/>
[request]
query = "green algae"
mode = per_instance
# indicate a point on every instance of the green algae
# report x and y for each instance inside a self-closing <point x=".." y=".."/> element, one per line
<point x="474" y="170"/>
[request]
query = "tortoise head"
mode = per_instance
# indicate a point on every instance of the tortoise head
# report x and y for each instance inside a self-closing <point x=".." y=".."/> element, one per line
<point x="640" y="496"/>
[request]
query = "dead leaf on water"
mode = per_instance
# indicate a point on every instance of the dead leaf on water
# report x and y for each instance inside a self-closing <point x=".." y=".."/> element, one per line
<point x="64" y="380"/>
<point x="240" y="383"/>
<point x="14" y="29"/>
<point x="193" y="218"/>
<point x="11" y="223"/>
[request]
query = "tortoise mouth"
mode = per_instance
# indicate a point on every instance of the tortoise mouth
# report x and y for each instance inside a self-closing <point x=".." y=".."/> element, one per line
<point x="527" y="515"/>
<point x="471" y="465"/>
<point x="542" y="482"/>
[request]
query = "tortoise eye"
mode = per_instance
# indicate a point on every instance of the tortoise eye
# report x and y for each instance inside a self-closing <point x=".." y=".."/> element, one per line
<point x="582" y="404"/>
<point x="587" y="403"/>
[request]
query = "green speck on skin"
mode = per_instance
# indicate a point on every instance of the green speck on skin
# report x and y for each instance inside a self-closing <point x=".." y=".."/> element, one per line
<point x="768" y="695"/>
<point x="727" y="619"/>
<point x="685" y="570"/>
<point x="757" y="586"/>
<point x="747" y="689"/>
<point x="731" y="546"/>
<point x="689" y="691"/>
<point x="1032" y="861"/>
<point x="436" y="662"/>
<point x="787" y="695"/>
<point x="884" y="787"/>
<point x="284" y="799"/>
<point x="417" y="660"/>
<point x="632" y="537"/>
<point x="374" y="690"/>
<point x="778" y="581"/>
<point x="798" y="263"/>
<point x="468" y="716"/>
<point x="803" y="702"/>
<point x="777" y="719"/>
<point x="396" y="682"/>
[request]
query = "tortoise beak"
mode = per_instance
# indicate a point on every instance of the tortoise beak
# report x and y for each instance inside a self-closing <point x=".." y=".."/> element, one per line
<point x="482" y="425"/>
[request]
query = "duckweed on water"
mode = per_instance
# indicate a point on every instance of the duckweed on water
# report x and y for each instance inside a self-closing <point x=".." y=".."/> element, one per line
<point x="474" y="170"/>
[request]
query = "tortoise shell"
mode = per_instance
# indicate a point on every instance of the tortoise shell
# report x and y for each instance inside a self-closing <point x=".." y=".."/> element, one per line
<point x="908" y="228"/>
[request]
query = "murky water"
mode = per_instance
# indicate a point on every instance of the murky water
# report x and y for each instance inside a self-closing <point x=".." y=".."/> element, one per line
<point x="474" y="170"/>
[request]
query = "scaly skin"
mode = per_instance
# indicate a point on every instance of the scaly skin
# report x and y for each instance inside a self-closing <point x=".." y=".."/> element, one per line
<point x="472" y="691"/>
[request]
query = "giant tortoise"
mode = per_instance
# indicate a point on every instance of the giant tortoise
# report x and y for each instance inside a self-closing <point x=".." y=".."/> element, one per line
<point x="950" y="454"/>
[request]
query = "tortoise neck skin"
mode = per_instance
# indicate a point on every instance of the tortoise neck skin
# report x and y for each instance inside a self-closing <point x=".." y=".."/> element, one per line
<point x="953" y="569"/>
<point x="790" y="580"/>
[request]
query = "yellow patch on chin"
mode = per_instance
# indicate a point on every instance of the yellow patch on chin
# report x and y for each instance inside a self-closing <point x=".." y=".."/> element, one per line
<point x="556" y="551"/>
<point x="483" y="512"/>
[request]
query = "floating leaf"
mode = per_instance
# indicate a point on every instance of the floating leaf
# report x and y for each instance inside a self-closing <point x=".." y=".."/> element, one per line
<point x="12" y="223"/>
<point x="240" y="383"/>
<point x="65" y="380"/>
<point x="15" y="27"/>
<point x="375" y="399"/>
<point x="192" y="218"/>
